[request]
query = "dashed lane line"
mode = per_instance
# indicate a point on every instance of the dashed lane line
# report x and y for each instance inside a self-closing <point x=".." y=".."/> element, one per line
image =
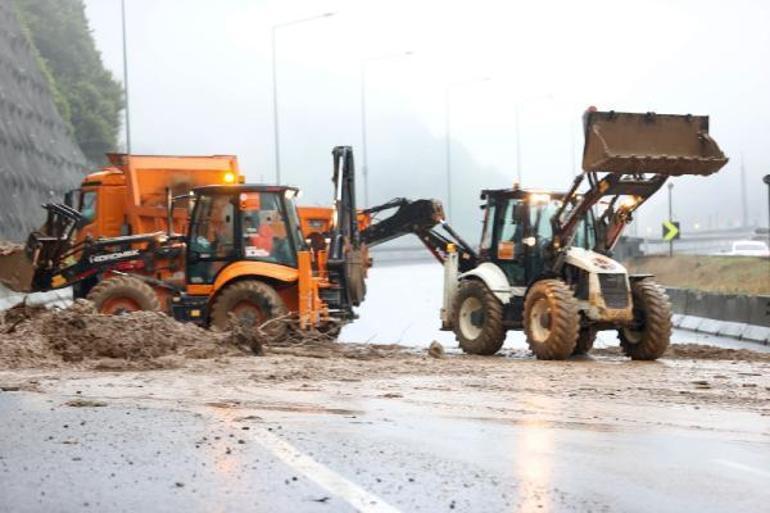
<point x="363" y="501"/>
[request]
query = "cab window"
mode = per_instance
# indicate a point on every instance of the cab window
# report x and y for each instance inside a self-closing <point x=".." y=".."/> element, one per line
<point x="264" y="228"/>
<point x="213" y="229"/>
<point x="88" y="206"/>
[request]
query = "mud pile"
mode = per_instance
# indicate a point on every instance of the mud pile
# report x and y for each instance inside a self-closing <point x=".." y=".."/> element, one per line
<point x="697" y="352"/>
<point x="33" y="336"/>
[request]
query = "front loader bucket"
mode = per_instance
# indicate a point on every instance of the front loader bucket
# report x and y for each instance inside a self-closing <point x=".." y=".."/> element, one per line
<point x="666" y="144"/>
<point x="16" y="269"/>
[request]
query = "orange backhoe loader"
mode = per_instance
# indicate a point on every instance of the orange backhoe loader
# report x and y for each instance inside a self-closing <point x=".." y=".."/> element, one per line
<point x="229" y="248"/>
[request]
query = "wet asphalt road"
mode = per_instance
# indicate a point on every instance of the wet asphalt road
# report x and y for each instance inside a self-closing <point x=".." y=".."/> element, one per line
<point x="395" y="457"/>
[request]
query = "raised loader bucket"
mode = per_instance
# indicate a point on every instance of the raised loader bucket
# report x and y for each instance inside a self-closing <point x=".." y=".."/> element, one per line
<point x="16" y="270"/>
<point x="667" y="144"/>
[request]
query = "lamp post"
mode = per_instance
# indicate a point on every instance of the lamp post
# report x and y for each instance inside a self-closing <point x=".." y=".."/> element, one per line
<point x="670" y="218"/>
<point x="364" y="63"/>
<point x="448" y="132"/>
<point x="766" y="179"/>
<point x="275" y="87"/>
<point x="125" y="77"/>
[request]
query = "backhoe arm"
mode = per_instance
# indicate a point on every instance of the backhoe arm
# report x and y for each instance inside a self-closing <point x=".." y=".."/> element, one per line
<point x="418" y="217"/>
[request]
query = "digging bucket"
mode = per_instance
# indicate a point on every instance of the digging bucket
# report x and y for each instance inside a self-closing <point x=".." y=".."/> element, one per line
<point x="16" y="269"/>
<point x="667" y="144"/>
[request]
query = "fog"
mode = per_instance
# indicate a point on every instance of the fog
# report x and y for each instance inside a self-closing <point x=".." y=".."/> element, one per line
<point x="200" y="78"/>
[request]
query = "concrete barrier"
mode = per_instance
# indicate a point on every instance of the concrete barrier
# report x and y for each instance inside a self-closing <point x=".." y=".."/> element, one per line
<point x="731" y="315"/>
<point x="61" y="297"/>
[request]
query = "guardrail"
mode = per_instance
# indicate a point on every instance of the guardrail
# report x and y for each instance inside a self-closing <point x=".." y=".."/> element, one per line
<point x="732" y="315"/>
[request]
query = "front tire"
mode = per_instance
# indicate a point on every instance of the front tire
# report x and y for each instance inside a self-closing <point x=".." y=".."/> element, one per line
<point x="650" y="336"/>
<point x="120" y="294"/>
<point x="551" y="320"/>
<point x="478" y="319"/>
<point x="253" y="303"/>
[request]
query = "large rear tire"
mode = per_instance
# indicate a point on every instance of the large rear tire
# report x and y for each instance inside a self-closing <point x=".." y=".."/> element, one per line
<point x="478" y="319"/>
<point x="651" y="334"/>
<point x="551" y="320"/>
<point x="123" y="294"/>
<point x="253" y="303"/>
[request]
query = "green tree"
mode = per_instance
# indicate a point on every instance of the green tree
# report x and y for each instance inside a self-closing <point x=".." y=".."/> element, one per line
<point x="90" y="99"/>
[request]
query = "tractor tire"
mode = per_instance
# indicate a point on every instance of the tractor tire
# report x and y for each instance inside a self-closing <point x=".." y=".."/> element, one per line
<point x="551" y="320"/>
<point x="253" y="303"/>
<point x="478" y="319"/>
<point x="585" y="341"/>
<point x="123" y="294"/>
<point x="652" y="315"/>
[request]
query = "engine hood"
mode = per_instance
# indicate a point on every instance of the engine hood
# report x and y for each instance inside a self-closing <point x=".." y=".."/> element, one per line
<point x="594" y="262"/>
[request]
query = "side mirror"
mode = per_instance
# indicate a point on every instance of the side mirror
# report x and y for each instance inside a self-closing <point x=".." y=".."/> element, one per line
<point x="69" y="198"/>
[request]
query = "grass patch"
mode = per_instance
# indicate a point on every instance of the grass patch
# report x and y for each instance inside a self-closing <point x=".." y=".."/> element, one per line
<point x="736" y="275"/>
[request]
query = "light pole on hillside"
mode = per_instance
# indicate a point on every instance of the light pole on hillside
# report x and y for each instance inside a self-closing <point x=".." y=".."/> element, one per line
<point x="125" y="77"/>
<point x="364" y="63"/>
<point x="275" y="87"/>
<point x="448" y="136"/>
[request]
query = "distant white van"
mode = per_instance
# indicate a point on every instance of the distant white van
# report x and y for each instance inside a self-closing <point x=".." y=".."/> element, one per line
<point x="755" y="248"/>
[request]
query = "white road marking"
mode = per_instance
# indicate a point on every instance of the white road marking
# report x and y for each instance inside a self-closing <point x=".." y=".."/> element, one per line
<point x="741" y="466"/>
<point x="325" y="477"/>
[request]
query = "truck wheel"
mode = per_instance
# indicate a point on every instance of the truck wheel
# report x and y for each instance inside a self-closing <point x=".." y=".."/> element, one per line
<point x="551" y="320"/>
<point x="252" y="303"/>
<point x="585" y="341"/>
<point x="478" y="319"/>
<point x="649" y="336"/>
<point x="123" y="294"/>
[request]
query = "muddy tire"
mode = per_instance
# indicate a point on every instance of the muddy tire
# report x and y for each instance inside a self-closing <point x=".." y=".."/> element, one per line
<point x="252" y="303"/>
<point x="585" y="341"/>
<point x="123" y="294"/>
<point x="478" y="319"/>
<point x="650" y="338"/>
<point x="551" y="320"/>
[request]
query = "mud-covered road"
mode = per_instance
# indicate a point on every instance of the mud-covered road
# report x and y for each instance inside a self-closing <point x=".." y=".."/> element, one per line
<point x="390" y="430"/>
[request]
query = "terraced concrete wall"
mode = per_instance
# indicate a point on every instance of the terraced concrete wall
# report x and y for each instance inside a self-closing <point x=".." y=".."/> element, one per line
<point x="39" y="161"/>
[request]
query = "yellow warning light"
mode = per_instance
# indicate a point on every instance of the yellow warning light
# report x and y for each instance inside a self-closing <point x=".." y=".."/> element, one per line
<point x="229" y="177"/>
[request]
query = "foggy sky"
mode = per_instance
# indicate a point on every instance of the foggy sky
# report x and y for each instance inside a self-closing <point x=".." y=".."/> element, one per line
<point x="200" y="83"/>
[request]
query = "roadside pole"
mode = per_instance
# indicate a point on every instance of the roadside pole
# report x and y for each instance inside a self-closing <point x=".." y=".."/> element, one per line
<point x="670" y="217"/>
<point x="766" y="179"/>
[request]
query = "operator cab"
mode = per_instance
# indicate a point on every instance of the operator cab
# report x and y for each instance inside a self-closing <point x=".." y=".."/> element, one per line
<point x="232" y="223"/>
<point x="517" y="231"/>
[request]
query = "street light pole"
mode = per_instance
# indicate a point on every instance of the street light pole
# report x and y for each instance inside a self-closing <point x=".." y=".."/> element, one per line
<point x="670" y="219"/>
<point x="125" y="77"/>
<point x="766" y="179"/>
<point x="364" y="152"/>
<point x="276" y="127"/>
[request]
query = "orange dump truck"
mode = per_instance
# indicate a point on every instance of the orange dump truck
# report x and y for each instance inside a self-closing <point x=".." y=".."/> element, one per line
<point x="131" y="197"/>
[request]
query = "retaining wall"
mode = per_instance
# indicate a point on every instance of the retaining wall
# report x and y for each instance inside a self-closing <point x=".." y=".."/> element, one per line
<point x="39" y="160"/>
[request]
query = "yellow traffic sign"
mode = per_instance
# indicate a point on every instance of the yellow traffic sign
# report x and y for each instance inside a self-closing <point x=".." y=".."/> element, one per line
<point x="670" y="230"/>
